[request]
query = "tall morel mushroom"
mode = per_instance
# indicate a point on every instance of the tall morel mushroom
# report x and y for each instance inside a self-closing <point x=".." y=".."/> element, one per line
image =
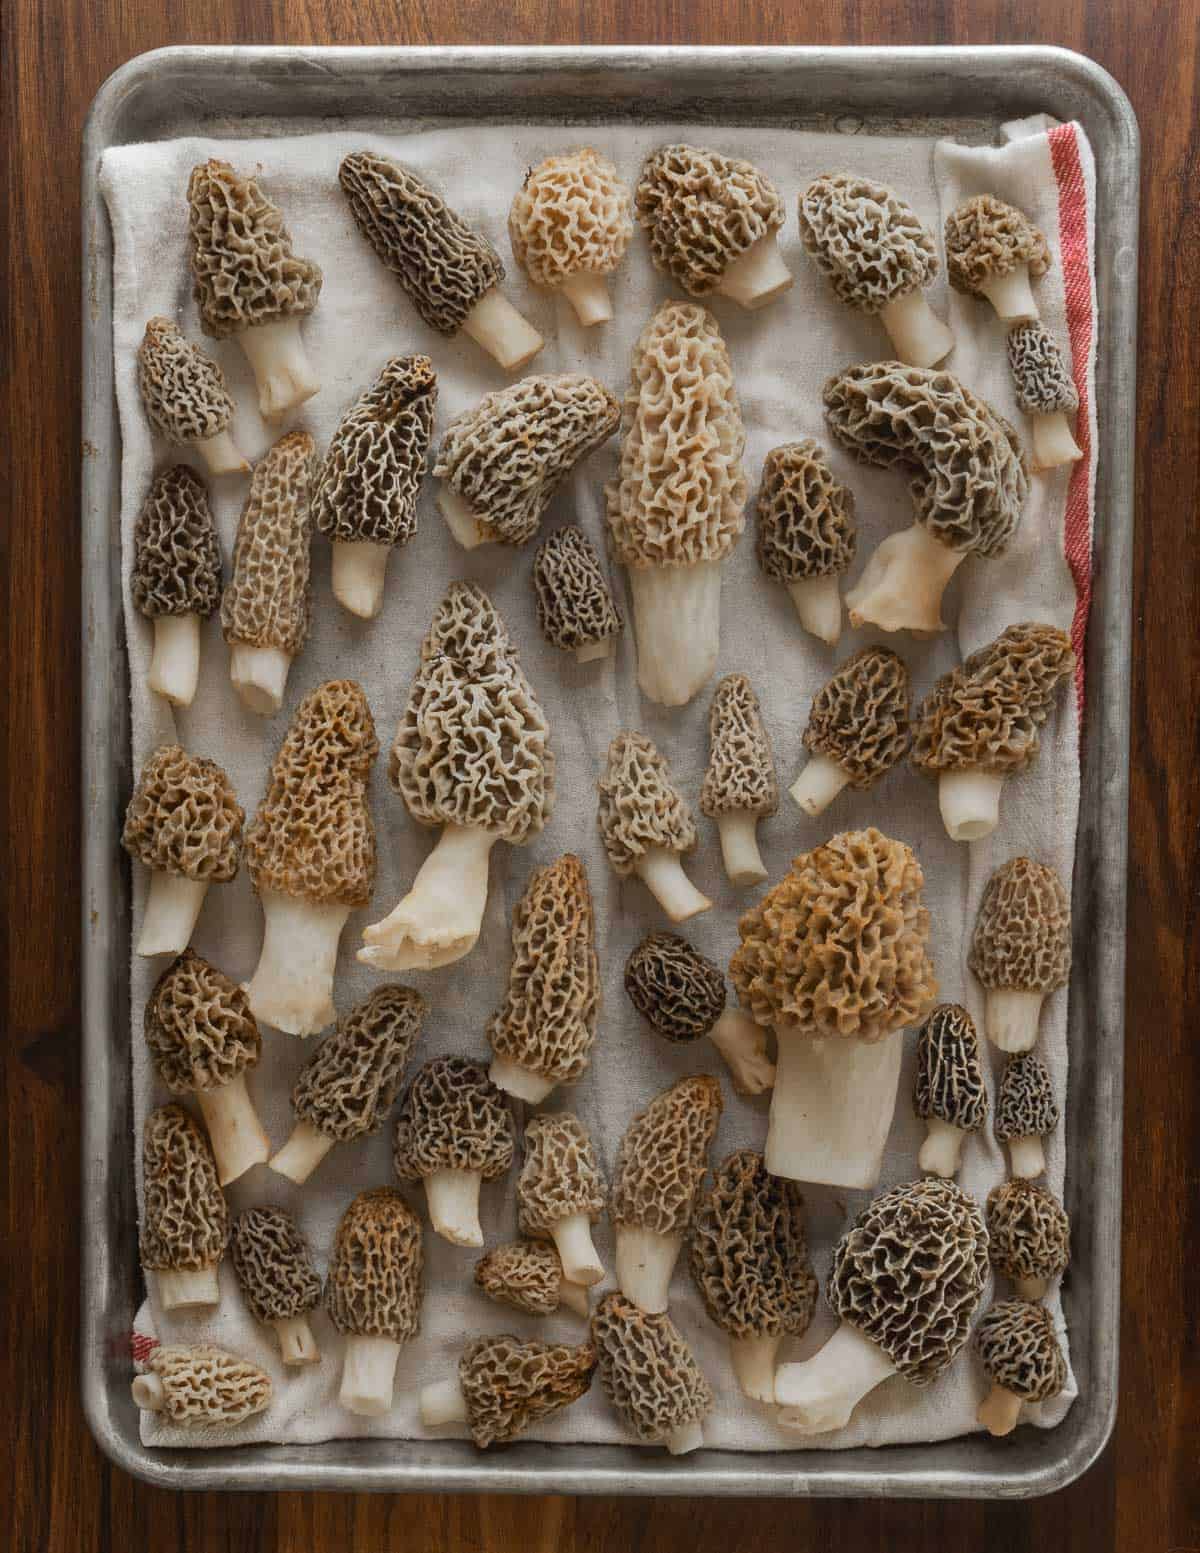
<point x="279" y="1283"/>
<point x="575" y="608"/>
<point x="807" y="535"/>
<point x="1021" y="949"/>
<point x="739" y="786"/>
<point x="185" y="1224"/>
<point x="949" y="1095"/>
<point x="1045" y="391"/>
<point x="646" y="825"/>
<point x="560" y="1193"/>
<point x="1030" y="1236"/>
<point x="1026" y="1112"/>
<point x="993" y="251"/>
<point x="200" y="1386"/>
<point x="569" y="226"/>
<point x="528" y="1276"/>
<point x="1020" y="1351"/>
<point x="186" y="398"/>
<point x="858" y="728"/>
<point x="503" y="1386"/>
<point x="650" y="1375"/>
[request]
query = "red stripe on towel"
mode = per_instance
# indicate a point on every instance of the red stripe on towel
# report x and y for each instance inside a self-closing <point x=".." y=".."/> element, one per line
<point x="141" y="1346"/>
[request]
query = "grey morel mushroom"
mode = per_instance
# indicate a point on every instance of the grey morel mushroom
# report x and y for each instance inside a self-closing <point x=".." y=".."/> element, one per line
<point x="504" y="1386"/>
<point x="1030" y="1236"/>
<point x="1025" y="1112"/>
<point x="569" y="226"/>
<point x="1021" y="948"/>
<point x="993" y="251"/>
<point x="528" y="1275"/>
<point x="560" y="1193"/>
<point x="739" y="786"/>
<point x="201" y="1386"/>
<point x="1045" y="391"/>
<point x="185" y="1224"/>
<point x="650" y="1375"/>
<point x="575" y="608"/>
<point x="186" y="398"/>
<point x="858" y="728"/>
<point x="807" y="535"/>
<point x="646" y="825"/>
<point x="949" y="1094"/>
<point x="1020" y="1351"/>
<point x="279" y="1283"/>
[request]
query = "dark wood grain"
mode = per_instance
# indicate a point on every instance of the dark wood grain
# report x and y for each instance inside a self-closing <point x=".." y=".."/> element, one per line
<point x="1145" y="1493"/>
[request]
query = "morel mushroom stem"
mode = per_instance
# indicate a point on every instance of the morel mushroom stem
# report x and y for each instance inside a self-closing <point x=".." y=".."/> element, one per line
<point x="999" y="1411"/>
<point x="281" y="368"/>
<point x="970" y="803"/>
<point x="832" y="1108"/>
<point x="821" y="1393"/>
<point x="919" y="335"/>
<point x="359" y="572"/>
<point x="743" y="1045"/>
<point x="368" y="1371"/>
<point x="495" y="324"/>
<point x="452" y="1197"/>
<point x="902" y="584"/>
<point x="758" y="276"/>
<point x="1011" y="1018"/>
<point x="677" y="622"/>
<point x="588" y="295"/>
<point x="1053" y="441"/>
<point x="753" y="1361"/>
<point x="182" y="1288"/>
<point x="443" y="1403"/>
<point x="515" y="1080"/>
<point x="689" y="1437"/>
<point x="292" y="989"/>
<point x="942" y="1148"/>
<point x="461" y="518"/>
<point x="1010" y="294"/>
<point x="1027" y="1156"/>
<point x="439" y="919"/>
<point x="590" y="651"/>
<point x="739" y="847"/>
<point x="575" y="1297"/>
<point x="302" y="1153"/>
<point x="818" y="785"/>
<point x="259" y="675"/>
<point x="296" y="1342"/>
<point x="662" y="873"/>
<point x="234" y="1130"/>
<point x="573" y="1238"/>
<point x="819" y="606"/>
<point x="645" y="1262"/>
<point x="172" y="907"/>
<point x="175" y="664"/>
<point x="221" y="455"/>
<point x="149" y="1394"/>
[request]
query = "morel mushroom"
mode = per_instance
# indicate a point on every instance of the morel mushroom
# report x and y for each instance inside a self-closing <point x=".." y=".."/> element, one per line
<point x="373" y="1294"/>
<point x="858" y="728"/>
<point x="249" y="283"/>
<point x="501" y="463"/>
<point x="993" y="251"/>
<point x="906" y="1281"/>
<point x="201" y="1385"/>
<point x="712" y="221"/>
<point x="879" y="257"/>
<point x="660" y="1169"/>
<point x="835" y="959"/>
<point x="349" y="1084"/>
<point x="1030" y="1236"/>
<point x="807" y="536"/>
<point x="365" y="496"/>
<point x="1026" y="1112"/>
<point x="176" y="578"/>
<point x="575" y="608"/>
<point x="749" y="1257"/>
<point x="454" y="1132"/>
<point x="650" y="1376"/>
<point x="310" y="852"/>
<point x="560" y="1193"/>
<point x="528" y="1275"/>
<point x="279" y="1283"/>
<point x="471" y="754"/>
<point x="185" y="824"/>
<point x="186" y="398"/>
<point x="949" y="1095"/>
<point x="739" y="786"/>
<point x="1045" y="391"/>
<point x="542" y="1033"/>
<point x="646" y="825"/>
<point x="504" y="1386"/>
<point x="569" y="226"/>
<point x="185" y="1224"/>
<point x="980" y="723"/>
<point x="1021" y="949"/>
<point x="677" y="507"/>
<point x="203" y="1039"/>
<point x="267" y="603"/>
<point x="1020" y="1351"/>
<point x="451" y="274"/>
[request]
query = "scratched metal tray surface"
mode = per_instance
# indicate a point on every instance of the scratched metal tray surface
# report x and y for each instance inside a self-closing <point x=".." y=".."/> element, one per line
<point x="966" y="92"/>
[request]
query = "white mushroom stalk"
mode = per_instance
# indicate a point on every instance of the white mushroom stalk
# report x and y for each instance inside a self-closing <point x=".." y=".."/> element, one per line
<point x="282" y="373"/>
<point x="662" y="873"/>
<point x="919" y="335"/>
<point x="902" y="584"/>
<point x="941" y="1151"/>
<point x="508" y="338"/>
<point x="297" y="1345"/>
<point x="172" y="908"/>
<point x="999" y="1412"/>
<point x="969" y="803"/>
<point x="818" y="785"/>
<point x="175" y="663"/>
<point x="260" y="676"/>
<point x="234" y="1130"/>
<point x="677" y="623"/>
<point x="818" y="604"/>
<point x="438" y="921"/>
<point x="743" y="1045"/>
<point x="221" y="455"/>
<point x="187" y="1288"/>
<point x="292" y="986"/>
<point x="753" y="1360"/>
<point x="757" y="276"/>
<point x="831" y="1108"/>
<point x="359" y="571"/>
<point x="452" y="1197"/>
<point x="442" y="1402"/>
<point x="819" y="1395"/>
<point x="302" y="1153"/>
<point x="368" y="1375"/>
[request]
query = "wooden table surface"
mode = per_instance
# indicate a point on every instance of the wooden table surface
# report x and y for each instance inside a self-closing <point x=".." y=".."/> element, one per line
<point x="1144" y="1494"/>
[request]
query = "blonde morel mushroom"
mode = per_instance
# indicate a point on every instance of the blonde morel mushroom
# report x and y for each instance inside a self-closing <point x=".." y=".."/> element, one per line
<point x="176" y="578"/>
<point x="993" y="251"/>
<point x="1020" y="949"/>
<point x="949" y="1094"/>
<point x="569" y="226"/>
<point x="858" y="728"/>
<point x="200" y="1386"/>
<point x="906" y="1281"/>
<point x="807" y="535"/>
<point x="1045" y="391"/>
<point x="1030" y="1236"/>
<point x="739" y="785"/>
<point x="186" y="398"/>
<point x="650" y="1375"/>
<point x="185" y="1224"/>
<point x="646" y="825"/>
<point x="560" y="1193"/>
<point x="575" y="608"/>
<point x="1020" y="1351"/>
<point x="528" y="1276"/>
<point x="279" y="1283"/>
<point x="503" y="1386"/>
<point x="1026" y="1112"/>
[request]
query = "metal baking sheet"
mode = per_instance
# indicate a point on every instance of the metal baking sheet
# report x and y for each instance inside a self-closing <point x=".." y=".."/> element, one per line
<point x="961" y="91"/>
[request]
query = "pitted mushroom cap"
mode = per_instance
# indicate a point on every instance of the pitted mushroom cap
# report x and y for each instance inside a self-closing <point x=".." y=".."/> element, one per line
<point x="185" y="1224"/>
<point x="574" y="601"/>
<point x="243" y="267"/>
<point x="374" y="1285"/>
<point x="806" y="524"/>
<point x="1030" y="1231"/>
<point x="268" y="599"/>
<point x="986" y="238"/>
<point x="199" y="1027"/>
<point x="949" y="1082"/>
<point x="203" y="1384"/>
<point x="527" y="1274"/>
<point x="640" y="806"/>
<point x="453" y="1118"/>
<point x="969" y="478"/>
<point x="349" y="1084"/>
<point x="647" y="1370"/>
<point x="313" y="837"/>
<point x="571" y="216"/>
<point x="509" y="1385"/>
<point x="184" y="391"/>
<point x="560" y="1176"/>
<point x="679" y="499"/>
<point x="860" y="719"/>
<point x="441" y="263"/>
<point x="1039" y="373"/>
<point x="740" y="775"/>
<point x="1020" y="1351"/>
<point x="870" y="245"/>
<point x="674" y="987"/>
<point x="840" y="946"/>
<point x="749" y="1253"/>
<point x="274" y="1265"/>
<point x="1025" y="1107"/>
<point x="176" y="558"/>
<point x="664" y="1155"/>
<point x="909" y="1274"/>
<point x="1022" y="937"/>
<point x="184" y="817"/>
<point x="368" y="485"/>
<point x="702" y="211"/>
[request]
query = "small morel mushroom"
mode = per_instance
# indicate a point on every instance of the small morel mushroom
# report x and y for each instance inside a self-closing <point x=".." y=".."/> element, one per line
<point x="650" y="1376"/>
<point x="646" y="825"/>
<point x="1021" y="949"/>
<point x="677" y="507"/>
<point x="575" y="608"/>
<point x="807" y="536"/>
<point x="949" y="1095"/>
<point x="739" y="786"/>
<point x="528" y="1275"/>
<point x="858" y="728"/>
<point x="310" y="853"/>
<point x="185" y="1224"/>
<point x="349" y="1084"/>
<point x="1025" y="1112"/>
<point x="279" y="1283"/>
<point x="501" y="463"/>
<point x="712" y="221"/>
<point x="186" y="398"/>
<point x="1045" y="391"/>
<point x="373" y="1294"/>
<point x="267" y="603"/>
<point x="453" y="1132"/>
<point x="906" y="1281"/>
<point x="560" y="1193"/>
<point x="542" y="1033"/>
<point x="472" y="755"/>
<point x="201" y="1385"/>
<point x="451" y="274"/>
<point x="203" y="1039"/>
<point x="993" y="251"/>
<point x="365" y="495"/>
<point x="968" y="486"/>
<point x="749" y="1257"/>
<point x="249" y="283"/>
<point x="504" y="1386"/>
<point x="980" y="723"/>
<point x="185" y="824"/>
<point x="569" y="226"/>
<point x="1030" y="1236"/>
<point x="835" y="958"/>
<point x="1020" y="1351"/>
<point x="659" y="1172"/>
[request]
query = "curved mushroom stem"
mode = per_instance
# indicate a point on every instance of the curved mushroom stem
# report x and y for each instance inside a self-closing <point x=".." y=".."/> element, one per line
<point x="999" y="1411"/>
<point x="507" y="337"/>
<point x="818" y="785"/>
<point x="302" y="1153"/>
<point x="821" y="1393"/>
<point x="452" y="1197"/>
<point x="521" y="1082"/>
<point x="358" y="572"/>
<point x="580" y="1261"/>
<point x="757" y="276"/>
<point x="1030" y="1288"/>
<point x="221" y="455"/>
<point x="368" y="1372"/>
<point x="1053" y="441"/>
<point x="970" y="803"/>
<point x="942" y="1148"/>
<point x="575" y="1298"/>
<point x="645" y="1262"/>
<point x="259" y="675"/>
<point x="1027" y="1157"/>
<point x="296" y="1342"/>
<point x="172" y="907"/>
<point x="175" y="663"/>
<point x="677" y="623"/>
<point x="743" y="1045"/>
<point x="591" y="652"/>
<point x="443" y="1403"/>
<point x="739" y="847"/>
<point x="439" y="919"/>
<point x="462" y="520"/>
<point x="662" y="874"/>
<point x="588" y="295"/>
<point x="183" y="1288"/>
<point x="292" y="989"/>
<point x="754" y="1365"/>
<point x="818" y="602"/>
<point x="1010" y="295"/>
<point x="902" y="584"/>
<point x="148" y="1392"/>
<point x="234" y="1130"/>
<point x="281" y="370"/>
<point x="1011" y="1018"/>
<point x="832" y="1108"/>
<point x="919" y="335"/>
<point x="688" y="1437"/>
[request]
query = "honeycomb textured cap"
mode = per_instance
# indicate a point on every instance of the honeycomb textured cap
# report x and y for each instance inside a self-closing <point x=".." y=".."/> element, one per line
<point x="840" y="946"/>
<point x="679" y="499"/>
<point x="367" y="487"/>
<point x="184" y="392"/>
<point x="1030" y="1231"/>
<point x="1022" y="937"/>
<point x="949" y="1081"/>
<point x="203" y="1384"/>
<point x="184" y="817"/>
<point x="274" y="1265"/>
<point x="640" y="806"/>
<point x="701" y="211"/>
<point x="806" y="525"/>
<point x="909" y="1274"/>
<point x="1040" y="375"/>
<point x="647" y="1370"/>
<point x="1025" y="1107"/>
<point x="453" y="1118"/>
<point x="1020" y="1351"/>
<point x="185" y="1224"/>
<point x="176" y="558"/>
<point x="561" y="1174"/>
<point x="243" y="267"/>
<point x="575" y="605"/>
<point x="740" y="776"/>
<point x="441" y="263"/>
<point x="679" y="991"/>
<point x="749" y="1252"/>
<point x="268" y="600"/>
<point x="664" y="1156"/>
<point x="350" y="1083"/>
<point x="985" y="238"/>
<point x="199" y="1027"/>
<point x="860" y="719"/>
<point x="313" y="837"/>
<point x="869" y="244"/>
<point x="526" y="1274"/>
<point x="509" y="1385"/>
<point x="571" y="216"/>
<point x="374" y="1285"/>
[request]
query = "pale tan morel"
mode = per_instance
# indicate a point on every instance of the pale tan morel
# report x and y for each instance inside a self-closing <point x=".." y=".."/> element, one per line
<point x="807" y="535"/>
<point x="185" y="1224"/>
<point x="528" y="1276"/>
<point x="274" y="1267"/>
<point x="569" y="225"/>
<point x="502" y="1386"/>
<point x="199" y="1386"/>
<point x="1026" y="1112"/>
<point x="186" y="397"/>
<point x="1021" y="949"/>
<point x="650" y="1375"/>
<point x="949" y="1093"/>
<point x="646" y="824"/>
<point x="1045" y="391"/>
<point x="1030" y="1236"/>
<point x="575" y="608"/>
<point x="739" y="787"/>
<point x="561" y="1193"/>
<point x="858" y="728"/>
<point x="1021" y="1355"/>
<point x="993" y="251"/>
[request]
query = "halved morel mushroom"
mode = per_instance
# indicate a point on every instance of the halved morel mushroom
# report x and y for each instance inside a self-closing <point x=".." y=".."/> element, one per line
<point x="200" y="1386"/>
<point x="503" y="1386"/>
<point x="1021" y="1354"/>
<point x="646" y="825"/>
<point x="650" y="1375"/>
<point x="858" y="728"/>
<point x="993" y="251"/>
<point x="1030" y="1236"/>
<point x="528" y="1276"/>
<point x="1045" y="391"/>
<point x="279" y="1283"/>
<point x="739" y="785"/>
<point x="185" y="1224"/>
<point x="575" y="608"/>
<point x="1026" y="1111"/>
<point x="807" y="535"/>
<point x="1020" y="949"/>
<point x="560" y="1193"/>
<point x="186" y="398"/>
<point x="569" y="226"/>
<point x="949" y="1095"/>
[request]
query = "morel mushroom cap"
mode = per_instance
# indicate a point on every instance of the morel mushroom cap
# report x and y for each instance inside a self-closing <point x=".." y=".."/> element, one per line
<point x="1026" y="1111"/>
<point x="1021" y="948"/>
<point x="504" y="1386"/>
<point x="560" y="1192"/>
<point x="185" y="1224"/>
<point x="807" y="536"/>
<point x="1030" y="1235"/>
<point x="649" y="1374"/>
<point x="279" y="1283"/>
<point x="528" y="1275"/>
<point x="739" y="786"/>
<point x="949" y="1094"/>
<point x="570" y="225"/>
<point x="575" y="608"/>
<point x="200" y="1385"/>
<point x="1020" y="1351"/>
<point x="176" y="577"/>
<point x="186" y="398"/>
<point x="858" y="728"/>
<point x="992" y="250"/>
<point x="1045" y="391"/>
